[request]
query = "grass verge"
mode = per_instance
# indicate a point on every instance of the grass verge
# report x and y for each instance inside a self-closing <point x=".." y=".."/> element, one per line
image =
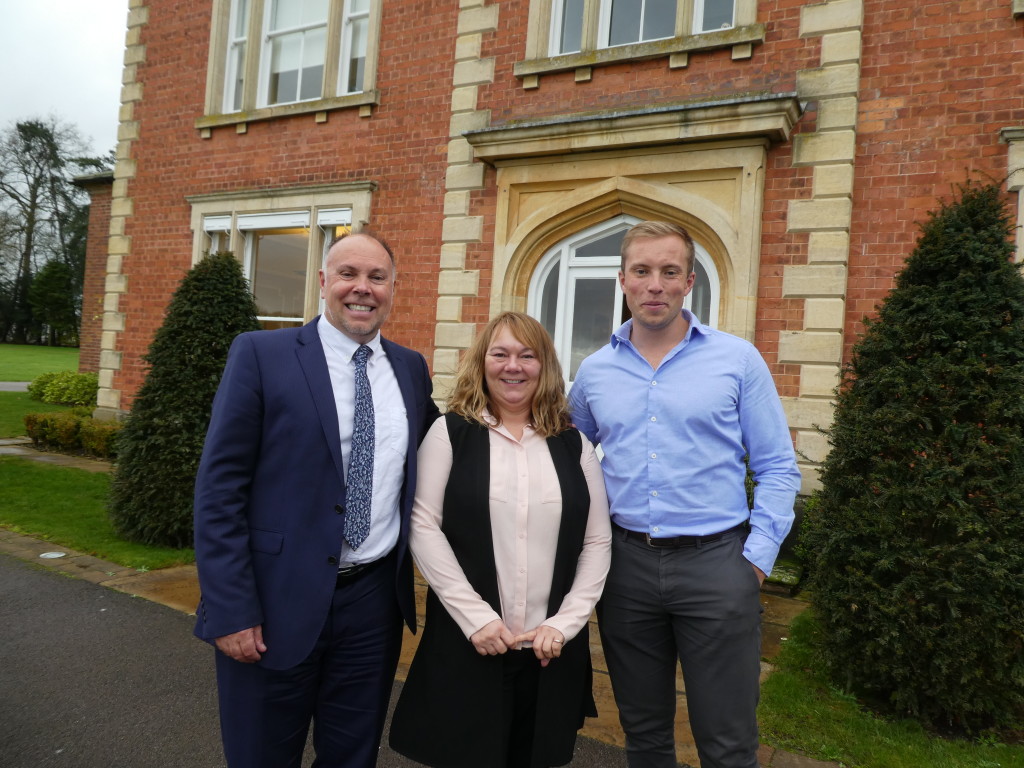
<point x="801" y="712"/>
<point x="23" y="362"/>
<point x="14" y="406"/>
<point x="69" y="507"/>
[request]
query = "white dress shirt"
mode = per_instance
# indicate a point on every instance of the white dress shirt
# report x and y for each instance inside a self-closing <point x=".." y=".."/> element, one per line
<point x="391" y="436"/>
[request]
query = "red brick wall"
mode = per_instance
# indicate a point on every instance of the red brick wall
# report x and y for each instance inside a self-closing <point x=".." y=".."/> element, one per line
<point x="634" y="85"/>
<point x="95" y="274"/>
<point x="402" y="147"/>
<point x="939" y="81"/>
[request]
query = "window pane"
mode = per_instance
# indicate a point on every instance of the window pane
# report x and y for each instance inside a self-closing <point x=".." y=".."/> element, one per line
<point x="700" y="295"/>
<point x="286" y="52"/>
<point x="241" y="18"/>
<point x="570" y="36"/>
<point x="549" y="301"/>
<point x="314" y="48"/>
<point x="357" y="57"/>
<point x="286" y="14"/>
<point x="236" y="76"/>
<point x="591" y="318"/>
<point x="359" y="6"/>
<point x="610" y="245"/>
<point x="624" y="25"/>
<point x="279" y="272"/>
<point x="717" y="15"/>
<point x="659" y="19"/>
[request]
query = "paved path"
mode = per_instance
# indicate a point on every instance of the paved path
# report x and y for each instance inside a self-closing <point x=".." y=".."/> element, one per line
<point x="94" y="678"/>
<point x="91" y="675"/>
<point x="14" y="386"/>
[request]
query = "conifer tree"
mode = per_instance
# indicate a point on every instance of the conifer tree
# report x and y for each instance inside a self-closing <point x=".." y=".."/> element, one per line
<point x="917" y="536"/>
<point x="162" y="439"/>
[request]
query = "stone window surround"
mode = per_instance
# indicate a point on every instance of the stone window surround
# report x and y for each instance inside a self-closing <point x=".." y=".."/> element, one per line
<point x="356" y="196"/>
<point x="539" y="61"/>
<point x="214" y="115"/>
<point x="1014" y="137"/>
<point x="638" y="163"/>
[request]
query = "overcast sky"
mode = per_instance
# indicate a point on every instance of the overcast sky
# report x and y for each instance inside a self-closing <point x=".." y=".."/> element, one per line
<point x="63" y="58"/>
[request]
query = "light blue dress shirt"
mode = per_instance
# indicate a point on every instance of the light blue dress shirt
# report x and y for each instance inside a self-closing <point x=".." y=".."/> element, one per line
<point x="674" y="438"/>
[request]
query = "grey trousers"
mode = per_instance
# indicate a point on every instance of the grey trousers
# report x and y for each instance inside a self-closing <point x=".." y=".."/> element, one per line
<point x="700" y="605"/>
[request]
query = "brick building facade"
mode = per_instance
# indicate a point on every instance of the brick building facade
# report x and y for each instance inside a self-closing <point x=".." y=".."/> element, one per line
<point x="503" y="148"/>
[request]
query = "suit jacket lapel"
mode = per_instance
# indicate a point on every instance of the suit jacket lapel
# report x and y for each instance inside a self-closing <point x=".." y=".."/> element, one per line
<point x="310" y="353"/>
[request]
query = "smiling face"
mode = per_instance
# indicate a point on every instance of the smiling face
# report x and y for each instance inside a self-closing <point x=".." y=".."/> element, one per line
<point x="357" y="285"/>
<point x="655" y="279"/>
<point x="512" y="372"/>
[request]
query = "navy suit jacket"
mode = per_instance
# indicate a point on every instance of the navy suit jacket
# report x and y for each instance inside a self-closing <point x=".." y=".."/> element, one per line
<point x="270" y="492"/>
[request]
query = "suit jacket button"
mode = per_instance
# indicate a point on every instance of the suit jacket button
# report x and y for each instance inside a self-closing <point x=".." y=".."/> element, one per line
<point x="332" y="560"/>
<point x="339" y="509"/>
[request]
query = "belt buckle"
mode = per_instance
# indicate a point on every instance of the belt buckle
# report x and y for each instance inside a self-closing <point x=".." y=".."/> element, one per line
<point x="650" y="541"/>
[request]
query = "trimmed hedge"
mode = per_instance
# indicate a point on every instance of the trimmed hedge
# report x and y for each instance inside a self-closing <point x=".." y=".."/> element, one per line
<point x="915" y="541"/>
<point x="73" y="432"/>
<point x="162" y="440"/>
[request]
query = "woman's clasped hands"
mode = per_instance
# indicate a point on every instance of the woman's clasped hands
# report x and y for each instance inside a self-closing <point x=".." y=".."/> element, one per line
<point x="495" y="638"/>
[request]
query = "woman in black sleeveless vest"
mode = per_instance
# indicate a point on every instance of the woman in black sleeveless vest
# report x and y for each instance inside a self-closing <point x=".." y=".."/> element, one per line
<point x="510" y="529"/>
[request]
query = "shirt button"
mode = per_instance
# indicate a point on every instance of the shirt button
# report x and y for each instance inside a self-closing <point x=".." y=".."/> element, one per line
<point x="656" y="529"/>
<point x="654" y="418"/>
<point x="654" y="455"/>
<point x="654" y="493"/>
<point x="654" y="383"/>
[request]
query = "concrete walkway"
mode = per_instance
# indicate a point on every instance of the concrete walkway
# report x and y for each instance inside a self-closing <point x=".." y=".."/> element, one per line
<point x="178" y="588"/>
<point x="14" y="386"/>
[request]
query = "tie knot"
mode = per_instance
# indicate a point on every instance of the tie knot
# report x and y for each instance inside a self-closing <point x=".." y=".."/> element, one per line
<point x="361" y="355"/>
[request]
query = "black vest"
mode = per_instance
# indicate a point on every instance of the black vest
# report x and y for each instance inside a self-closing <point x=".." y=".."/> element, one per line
<point x="447" y="715"/>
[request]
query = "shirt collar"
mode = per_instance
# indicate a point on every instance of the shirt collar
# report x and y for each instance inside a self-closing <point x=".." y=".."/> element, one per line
<point x="341" y="344"/>
<point x="621" y="334"/>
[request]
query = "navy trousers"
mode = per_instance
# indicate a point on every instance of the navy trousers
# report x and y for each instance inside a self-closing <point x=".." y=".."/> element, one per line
<point x="699" y="605"/>
<point x="343" y="687"/>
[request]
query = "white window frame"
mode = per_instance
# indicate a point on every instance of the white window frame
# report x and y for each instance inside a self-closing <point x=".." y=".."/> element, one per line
<point x="562" y="257"/>
<point x="597" y="23"/>
<point x="223" y="74"/>
<point x="349" y="21"/>
<point x="266" y="53"/>
<point x="698" y="18"/>
<point x="604" y="29"/>
<point x="226" y="221"/>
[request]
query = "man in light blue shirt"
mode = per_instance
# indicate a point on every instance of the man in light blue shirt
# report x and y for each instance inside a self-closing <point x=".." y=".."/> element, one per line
<point x="676" y="407"/>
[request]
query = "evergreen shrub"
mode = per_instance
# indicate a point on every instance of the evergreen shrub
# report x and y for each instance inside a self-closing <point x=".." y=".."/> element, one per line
<point x="71" y="388"/>
<point x="916" y="538"/>
<point x="162" y="439"/>
<point x="37" y="387"/>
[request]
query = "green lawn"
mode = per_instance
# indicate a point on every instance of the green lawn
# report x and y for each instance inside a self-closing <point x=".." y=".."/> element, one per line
<point x="23" y="362"/>
<point x="14" y="406"/>
<point x="800" y="712"/>
<point x="69" y="507"/>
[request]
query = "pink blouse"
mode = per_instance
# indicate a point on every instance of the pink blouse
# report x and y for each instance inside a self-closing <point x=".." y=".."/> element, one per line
<point x="526" y="509"/>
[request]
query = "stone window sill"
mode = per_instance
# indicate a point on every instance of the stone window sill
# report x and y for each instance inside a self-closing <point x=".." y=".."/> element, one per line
<point x="319" y="108"/>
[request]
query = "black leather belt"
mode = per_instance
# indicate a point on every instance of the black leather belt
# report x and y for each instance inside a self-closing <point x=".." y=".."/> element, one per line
<point x="350" y="573"/>
<point x="674" y="542"/>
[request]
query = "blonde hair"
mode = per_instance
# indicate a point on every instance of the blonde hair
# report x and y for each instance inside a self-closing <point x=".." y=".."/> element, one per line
<point x="652" y="229"/>
<point x="469" y="398"/>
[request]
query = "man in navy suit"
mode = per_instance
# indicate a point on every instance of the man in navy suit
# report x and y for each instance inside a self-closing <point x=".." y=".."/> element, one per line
<point x="306" y="615"/>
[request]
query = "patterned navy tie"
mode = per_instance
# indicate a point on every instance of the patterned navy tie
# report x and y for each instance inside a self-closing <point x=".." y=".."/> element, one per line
<point x="360" y="463"/>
